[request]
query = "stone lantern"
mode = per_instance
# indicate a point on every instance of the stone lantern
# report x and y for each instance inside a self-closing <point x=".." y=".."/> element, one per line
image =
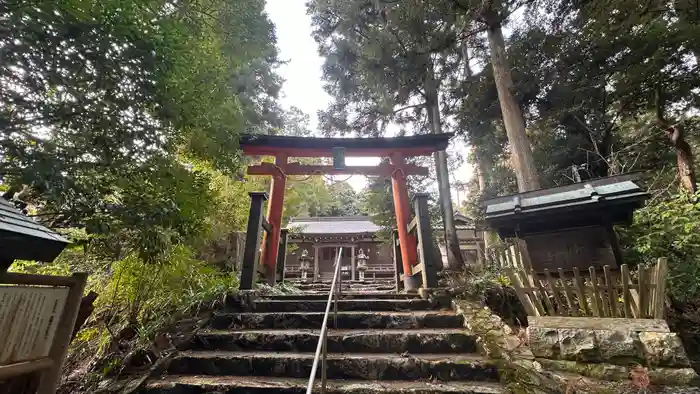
<point x="362" y="264"/>
<point x="305" y="264"/>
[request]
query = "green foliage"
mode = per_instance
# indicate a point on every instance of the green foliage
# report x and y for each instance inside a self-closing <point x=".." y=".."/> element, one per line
<point x="669" y="228"/>
<point x="155" y="294"/>
<point x="378" y="58"/>
<point x="104" y="105"/>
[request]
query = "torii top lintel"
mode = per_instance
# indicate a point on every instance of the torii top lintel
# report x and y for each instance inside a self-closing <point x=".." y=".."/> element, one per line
<point x="273" y="145"/>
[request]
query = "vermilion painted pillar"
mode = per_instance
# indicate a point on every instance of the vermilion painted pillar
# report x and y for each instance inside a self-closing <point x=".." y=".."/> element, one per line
<point x="403" y="218"/>
<point x="274" y="217"/>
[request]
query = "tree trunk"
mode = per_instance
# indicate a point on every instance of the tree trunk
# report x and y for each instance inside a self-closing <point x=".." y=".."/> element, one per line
<point x="685" y="161"/>
<point x="684" y="157"/>
<point x="454" y="255"/>
<point x="521" y="154"/>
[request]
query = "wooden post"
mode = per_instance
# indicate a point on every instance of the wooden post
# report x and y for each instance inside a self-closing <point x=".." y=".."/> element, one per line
<point x="518" y="286"/>
<point x="274" y="217"/>
<point x="353" y="263"/>
<point x="252" y="240"/>
<point x="427" y="251"/>
<point x="64" y="333"/>
<point x="403" y="218"/>
<point x="398" y="266"/>
<point x="660" y="298"/>
<point x="317" y="249"/>
<point x="282" y="254"/>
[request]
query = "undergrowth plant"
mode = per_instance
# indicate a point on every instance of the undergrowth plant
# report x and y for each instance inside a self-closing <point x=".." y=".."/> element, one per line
<point x="141" y="298"/>
<point x="152" y="295"/>
<point x="669" y="228"/>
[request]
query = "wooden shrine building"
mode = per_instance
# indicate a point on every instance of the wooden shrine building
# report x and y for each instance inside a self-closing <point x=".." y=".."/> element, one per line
<point x="321" y="237"/>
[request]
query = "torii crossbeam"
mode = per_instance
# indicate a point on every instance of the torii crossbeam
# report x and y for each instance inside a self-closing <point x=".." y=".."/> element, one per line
<point x="397" y="149"/>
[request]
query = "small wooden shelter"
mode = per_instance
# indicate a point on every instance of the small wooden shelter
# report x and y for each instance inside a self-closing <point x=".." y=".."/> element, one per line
<point x="569" y="226"/>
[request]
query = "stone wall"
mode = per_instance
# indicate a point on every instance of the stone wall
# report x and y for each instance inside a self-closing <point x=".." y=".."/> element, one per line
<point x="612" y="354"/>
<point x="543" y="360"/>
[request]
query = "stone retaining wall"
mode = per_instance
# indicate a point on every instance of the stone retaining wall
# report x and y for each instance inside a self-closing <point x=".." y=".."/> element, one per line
<point x="567" y="360"/>
<point x="612" y="354"/>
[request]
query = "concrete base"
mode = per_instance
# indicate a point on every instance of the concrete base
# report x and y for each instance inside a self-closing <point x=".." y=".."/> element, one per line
<point x="411" y="283"/>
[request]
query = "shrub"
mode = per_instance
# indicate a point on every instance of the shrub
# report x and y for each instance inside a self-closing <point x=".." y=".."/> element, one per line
<point x="671" y="229"/>
<point x="152" y="295"/>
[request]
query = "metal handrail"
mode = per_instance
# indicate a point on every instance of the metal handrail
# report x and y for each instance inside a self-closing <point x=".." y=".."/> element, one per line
<point x="321" y="348"/>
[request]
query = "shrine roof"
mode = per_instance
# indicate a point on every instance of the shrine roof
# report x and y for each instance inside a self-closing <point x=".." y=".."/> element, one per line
<point x="24" y="239"/>
<point x="461" y="223"/>
<point x="415" y="145"/>
<point x="614" y="198"/>
<point x="333" y="225"/>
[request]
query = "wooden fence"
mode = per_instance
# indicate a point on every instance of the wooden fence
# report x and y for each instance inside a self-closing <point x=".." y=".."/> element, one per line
<point x="639" y="294"/>
<point x="37" y="318"/>
<point x="508" y="255"/>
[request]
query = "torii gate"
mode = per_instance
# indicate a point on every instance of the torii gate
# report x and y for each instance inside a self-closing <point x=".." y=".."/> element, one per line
<point x="397" y="149"/>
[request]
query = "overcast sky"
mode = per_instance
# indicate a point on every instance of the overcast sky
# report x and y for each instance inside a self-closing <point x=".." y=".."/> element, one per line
<point x="303" y="86"/>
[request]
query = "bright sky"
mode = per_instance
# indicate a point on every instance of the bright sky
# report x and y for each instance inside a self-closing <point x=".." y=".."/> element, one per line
<point x="303" y="85"/>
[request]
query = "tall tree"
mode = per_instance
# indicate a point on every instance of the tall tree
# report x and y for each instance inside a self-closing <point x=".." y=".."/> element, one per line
<point x="385" y="65"/>
<point x="587" y="76"/>
<point x="102" y="104"/>
<point x="491" y="14"/>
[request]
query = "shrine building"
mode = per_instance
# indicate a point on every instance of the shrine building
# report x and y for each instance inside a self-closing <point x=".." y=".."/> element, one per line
<point x="321" y="238"/>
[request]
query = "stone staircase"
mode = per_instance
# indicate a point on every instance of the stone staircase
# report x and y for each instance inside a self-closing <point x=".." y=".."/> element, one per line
<point x="384" y="343"/>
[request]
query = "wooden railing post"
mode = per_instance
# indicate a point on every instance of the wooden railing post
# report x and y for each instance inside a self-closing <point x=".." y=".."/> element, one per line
<point x="252" y="240"/>
<point x="282" y="254"/>
<point x="398" y="264"/>
<point x="426" y="248"/>
<point x="64" y="334"/>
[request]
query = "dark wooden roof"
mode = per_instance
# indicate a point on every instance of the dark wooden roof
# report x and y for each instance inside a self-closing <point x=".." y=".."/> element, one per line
<point x="21" y="238"/>
<point x="415" y="145"/>
<point x="612" y="199"/>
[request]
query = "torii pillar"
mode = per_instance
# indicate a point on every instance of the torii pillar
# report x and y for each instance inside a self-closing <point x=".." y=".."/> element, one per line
<point x="402" y="208"/>
<point x="274" y="217"/>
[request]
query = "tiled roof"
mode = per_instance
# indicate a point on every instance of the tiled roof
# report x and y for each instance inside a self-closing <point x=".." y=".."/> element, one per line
<point x="461" y="223"/>
<point x="333" y="225"/>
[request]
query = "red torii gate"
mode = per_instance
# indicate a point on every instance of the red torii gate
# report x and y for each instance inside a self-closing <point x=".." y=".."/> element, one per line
<point x="397" y="149"/>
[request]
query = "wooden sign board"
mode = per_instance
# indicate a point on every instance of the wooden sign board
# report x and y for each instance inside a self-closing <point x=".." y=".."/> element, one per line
<point x="29" y="318"/>
<point x="579" y="247"/>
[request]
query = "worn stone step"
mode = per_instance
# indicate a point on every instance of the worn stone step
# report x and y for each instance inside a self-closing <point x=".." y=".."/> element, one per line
<point x="267" y="305"/>
<point x="340" y="341"/>
<point x="363" y="366"/>
<point x="382" y="286"/>
<point x="369" y="281"/>
<point x="344" y="296"/>
<point x="347" y="320"/>
<point x="326" y="289"/>
<point x="269" y="385"/>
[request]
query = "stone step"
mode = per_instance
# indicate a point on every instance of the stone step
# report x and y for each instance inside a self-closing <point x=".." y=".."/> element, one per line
<point x="346" y="320"/>
<point x="271" y="385"/>
<point x="362" y="366"/>
<point x="344" y="296"/>
<point x="267" y="305"/>
<point x="328" y="281"/>
<point x="326" y="289"/>
<point x="340" y="341"/>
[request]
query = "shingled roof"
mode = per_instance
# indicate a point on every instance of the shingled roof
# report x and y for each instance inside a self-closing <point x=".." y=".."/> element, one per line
<point x="21" y="238"/>
<point x="333" y="225"/>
